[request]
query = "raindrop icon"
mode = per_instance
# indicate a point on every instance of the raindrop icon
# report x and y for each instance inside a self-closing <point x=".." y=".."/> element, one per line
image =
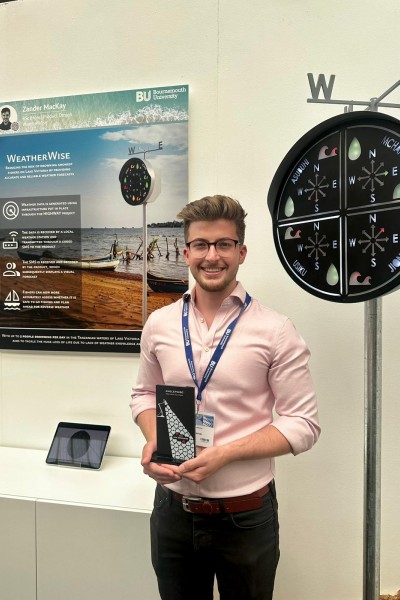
<point x="354" y="149"/>
<point x="396" y="192"/>
<point x="289" y="207"/>
<point x="332" y="276"/>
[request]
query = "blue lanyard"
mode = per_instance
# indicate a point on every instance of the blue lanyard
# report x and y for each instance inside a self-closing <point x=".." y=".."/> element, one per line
<point x="218" y="350"/>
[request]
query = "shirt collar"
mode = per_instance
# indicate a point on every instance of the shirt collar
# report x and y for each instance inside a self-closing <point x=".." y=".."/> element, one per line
<point x="239" y="292"/>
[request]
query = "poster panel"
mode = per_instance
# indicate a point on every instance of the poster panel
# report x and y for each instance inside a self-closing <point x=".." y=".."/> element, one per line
<point x="80" y="177"/>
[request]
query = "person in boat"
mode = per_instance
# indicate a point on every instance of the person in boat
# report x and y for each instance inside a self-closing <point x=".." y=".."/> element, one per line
<point x="216" y="515"/>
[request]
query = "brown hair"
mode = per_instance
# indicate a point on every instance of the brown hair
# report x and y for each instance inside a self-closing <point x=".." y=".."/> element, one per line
<point x="211" y="208"/>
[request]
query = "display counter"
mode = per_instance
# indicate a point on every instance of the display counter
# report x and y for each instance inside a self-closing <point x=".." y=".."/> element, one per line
<point x="74" y="533"/>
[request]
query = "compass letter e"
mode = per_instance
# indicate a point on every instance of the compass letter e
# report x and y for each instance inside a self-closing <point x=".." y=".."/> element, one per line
<point x="321" y="84"/>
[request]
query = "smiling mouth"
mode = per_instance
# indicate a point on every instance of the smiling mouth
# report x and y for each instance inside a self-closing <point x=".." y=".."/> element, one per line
<point x="212" y="269"/>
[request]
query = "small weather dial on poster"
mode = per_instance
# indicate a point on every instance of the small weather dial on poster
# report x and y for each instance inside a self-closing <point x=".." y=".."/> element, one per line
<point x="136" y="178"/>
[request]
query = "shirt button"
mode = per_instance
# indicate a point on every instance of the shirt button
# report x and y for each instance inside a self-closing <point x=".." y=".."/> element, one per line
<point x="206" y="349"/>
<point x="202" y="320"/>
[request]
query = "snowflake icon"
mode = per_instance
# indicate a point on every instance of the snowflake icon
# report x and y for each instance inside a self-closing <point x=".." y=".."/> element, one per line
<point x="373" y="175"/>
<point x="373" y="240"/>
<point x="317" y="246"/>
<point x="316" y="188"/>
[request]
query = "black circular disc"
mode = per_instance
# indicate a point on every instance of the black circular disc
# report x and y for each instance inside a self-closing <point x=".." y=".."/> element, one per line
<point x="335" y="206"/>
<point x="136" y="181"/>
<point x="78" y="444"/>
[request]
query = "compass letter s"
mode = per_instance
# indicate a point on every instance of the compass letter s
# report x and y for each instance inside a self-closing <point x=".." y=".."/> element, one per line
<point x="321" y="84"/>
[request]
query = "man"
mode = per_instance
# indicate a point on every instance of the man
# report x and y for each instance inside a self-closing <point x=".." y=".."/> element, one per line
<point x="5" y="115"/>
<point x="216" y="514"/>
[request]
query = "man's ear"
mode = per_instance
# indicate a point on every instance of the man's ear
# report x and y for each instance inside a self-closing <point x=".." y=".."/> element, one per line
<point x="242" y="253"/>
<point x="185" y="254"/>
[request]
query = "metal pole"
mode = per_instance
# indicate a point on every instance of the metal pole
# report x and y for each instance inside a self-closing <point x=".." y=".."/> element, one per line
<point x="372" y="447"/>
<point x="372" y="436"/>
<point x="144" y="276"/>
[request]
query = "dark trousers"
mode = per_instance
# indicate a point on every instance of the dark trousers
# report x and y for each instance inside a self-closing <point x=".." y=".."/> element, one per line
<point x="240" y="549"/>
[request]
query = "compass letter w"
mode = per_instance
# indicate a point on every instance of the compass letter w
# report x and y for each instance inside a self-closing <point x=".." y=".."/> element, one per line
<point x="321" y="84"/>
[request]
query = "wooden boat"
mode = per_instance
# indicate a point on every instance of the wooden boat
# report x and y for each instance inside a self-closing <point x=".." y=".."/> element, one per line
<point x="88" y="263"/>
<point x="166" y="284"/>
<point x="47" y="255"/>
<point x="110" y="261"/>
<point x="97" y="262"/>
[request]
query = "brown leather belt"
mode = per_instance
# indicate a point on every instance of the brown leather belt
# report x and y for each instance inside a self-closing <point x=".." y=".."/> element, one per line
<point x="212" y="506"/>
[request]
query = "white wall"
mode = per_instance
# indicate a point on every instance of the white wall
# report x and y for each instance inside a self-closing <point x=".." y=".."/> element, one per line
<point x="246" y="65"/>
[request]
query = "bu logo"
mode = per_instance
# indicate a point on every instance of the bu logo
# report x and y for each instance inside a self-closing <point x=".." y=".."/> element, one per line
<point x="321" y="84"/>
<point x="143" y="96"/>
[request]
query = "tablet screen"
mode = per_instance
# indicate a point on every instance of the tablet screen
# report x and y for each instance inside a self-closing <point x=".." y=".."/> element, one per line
<point x="78" y="445"/>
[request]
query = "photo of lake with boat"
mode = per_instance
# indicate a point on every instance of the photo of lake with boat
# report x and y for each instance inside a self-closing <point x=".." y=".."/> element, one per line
<point x="166" y="255"/>
<point x="95" y="282"/>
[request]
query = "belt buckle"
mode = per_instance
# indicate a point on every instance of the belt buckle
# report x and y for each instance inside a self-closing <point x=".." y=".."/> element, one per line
<point x="187" y="499"/>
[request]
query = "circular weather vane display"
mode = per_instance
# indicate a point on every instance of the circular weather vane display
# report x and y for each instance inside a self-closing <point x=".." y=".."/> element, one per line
<point x="136" y="179"/>
<point x="335" y="205"/>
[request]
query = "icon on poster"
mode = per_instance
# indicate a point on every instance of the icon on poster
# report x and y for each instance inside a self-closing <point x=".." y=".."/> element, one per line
<point x="11" y="244"/>
<point x="11" y="270"/>
<point x="12" y="301"/>
<point x="11" y="210"/>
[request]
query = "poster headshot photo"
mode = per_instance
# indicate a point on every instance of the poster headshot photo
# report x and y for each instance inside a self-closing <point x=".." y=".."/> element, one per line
<point x="8" y="119"/>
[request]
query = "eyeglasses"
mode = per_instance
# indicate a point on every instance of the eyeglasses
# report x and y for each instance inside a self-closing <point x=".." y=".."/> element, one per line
<point x="224" y="247"/>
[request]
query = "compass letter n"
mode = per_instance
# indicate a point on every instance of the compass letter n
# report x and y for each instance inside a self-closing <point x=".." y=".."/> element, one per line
<point x="321" y="84"/>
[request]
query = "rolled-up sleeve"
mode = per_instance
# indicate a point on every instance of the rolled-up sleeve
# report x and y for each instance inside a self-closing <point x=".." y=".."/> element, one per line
<point x="291" y="383"/>
<point x="143" y="395"/>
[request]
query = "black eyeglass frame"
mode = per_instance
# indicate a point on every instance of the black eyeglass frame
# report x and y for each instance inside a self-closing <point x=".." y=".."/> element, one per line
<point x="236" y="242"/>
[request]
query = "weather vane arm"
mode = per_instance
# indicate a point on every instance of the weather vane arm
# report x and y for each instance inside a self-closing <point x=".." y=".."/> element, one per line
<point x="321" y="85"/>
<point x="354" y="102"/>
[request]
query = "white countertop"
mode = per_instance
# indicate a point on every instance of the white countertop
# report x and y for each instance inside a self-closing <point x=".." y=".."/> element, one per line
<point x="119" y="484"/>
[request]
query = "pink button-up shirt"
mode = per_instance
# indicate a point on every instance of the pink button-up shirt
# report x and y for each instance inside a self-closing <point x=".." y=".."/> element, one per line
<point x="264" y="368"/>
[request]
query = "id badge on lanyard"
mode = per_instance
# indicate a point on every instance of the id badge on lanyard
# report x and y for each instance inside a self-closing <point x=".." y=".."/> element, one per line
<point x="205" y="423"/>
